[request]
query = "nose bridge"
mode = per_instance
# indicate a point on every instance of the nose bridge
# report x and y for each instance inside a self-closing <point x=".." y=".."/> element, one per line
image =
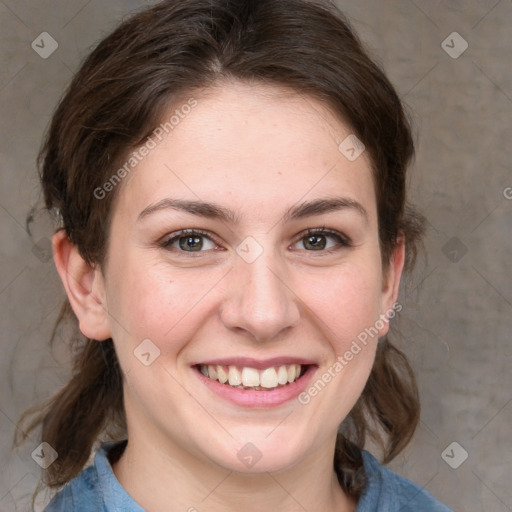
<point x="261" y="302"/>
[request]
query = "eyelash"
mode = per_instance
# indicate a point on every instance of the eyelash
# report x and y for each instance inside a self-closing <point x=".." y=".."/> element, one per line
<point x="342" y="241"/>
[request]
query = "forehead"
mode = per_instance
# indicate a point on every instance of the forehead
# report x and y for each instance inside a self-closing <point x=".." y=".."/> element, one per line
<point x="248" y="145"/>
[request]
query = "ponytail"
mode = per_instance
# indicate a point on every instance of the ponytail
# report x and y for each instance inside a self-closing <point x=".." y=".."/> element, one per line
<point x="90" y="404"/>
<point x="388" y="411"/>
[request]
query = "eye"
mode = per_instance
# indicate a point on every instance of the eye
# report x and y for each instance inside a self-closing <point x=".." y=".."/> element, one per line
<point x="189" y="240"/>
<point x="313" y="240"/>
<point x="317" y="240"/>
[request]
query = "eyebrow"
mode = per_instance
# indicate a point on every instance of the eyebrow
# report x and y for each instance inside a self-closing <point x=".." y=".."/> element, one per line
<point x="213" y="211"/>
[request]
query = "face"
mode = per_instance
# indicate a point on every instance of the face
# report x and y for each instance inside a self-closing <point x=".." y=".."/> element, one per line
<point x="244" y="245"/>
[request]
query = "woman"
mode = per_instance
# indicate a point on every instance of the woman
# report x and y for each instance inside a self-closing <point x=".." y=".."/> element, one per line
<point x="229" y="179"/>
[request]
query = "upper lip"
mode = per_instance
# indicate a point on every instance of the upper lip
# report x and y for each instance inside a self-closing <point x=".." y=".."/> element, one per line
<point x="259" y="364"/>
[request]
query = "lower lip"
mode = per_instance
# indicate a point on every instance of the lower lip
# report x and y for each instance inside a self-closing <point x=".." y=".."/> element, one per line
<point x="258" y="399"/>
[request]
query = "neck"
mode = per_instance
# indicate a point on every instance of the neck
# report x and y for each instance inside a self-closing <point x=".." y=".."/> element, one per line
<point x="173" y="480"/>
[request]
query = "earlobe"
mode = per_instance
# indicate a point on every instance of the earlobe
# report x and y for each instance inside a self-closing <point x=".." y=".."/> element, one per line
<point x="391" y="282"/>
<point x="84" y="285"/>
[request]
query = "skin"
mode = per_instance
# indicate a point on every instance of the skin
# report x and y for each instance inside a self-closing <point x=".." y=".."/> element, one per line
<point x="257" y="150"/>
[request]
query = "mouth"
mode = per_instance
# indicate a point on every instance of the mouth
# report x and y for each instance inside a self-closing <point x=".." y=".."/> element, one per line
<point x="254" y="379"/>
<point x="255" y="383"/>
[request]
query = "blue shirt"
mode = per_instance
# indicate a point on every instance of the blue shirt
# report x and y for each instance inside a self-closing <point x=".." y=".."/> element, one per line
<point x="96" y="489"/>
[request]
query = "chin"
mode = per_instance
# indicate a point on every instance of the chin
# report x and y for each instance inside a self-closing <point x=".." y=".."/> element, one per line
<point x="262" y="454"/>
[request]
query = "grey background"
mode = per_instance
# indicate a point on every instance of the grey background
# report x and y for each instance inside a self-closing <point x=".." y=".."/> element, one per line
<point x="456" y="320"/>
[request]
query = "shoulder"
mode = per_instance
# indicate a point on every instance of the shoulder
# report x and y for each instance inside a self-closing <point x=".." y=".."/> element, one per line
<point x="388" y="492"/>
<point x="82" y="493"/>
<point x="96" y="488"/>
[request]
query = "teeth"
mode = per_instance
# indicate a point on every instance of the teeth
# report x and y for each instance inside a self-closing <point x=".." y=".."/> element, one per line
<point x="212" y="372"/>
<point x="235" y="379"/>
<point x="222" y="376"/>
<point x="282" y="375"/>
<point x="252" y="378"/>
<point x="269" y="378"/>
<point x="292" y="373"/>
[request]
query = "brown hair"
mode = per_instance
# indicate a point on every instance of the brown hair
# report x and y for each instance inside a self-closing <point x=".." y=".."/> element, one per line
<point x="115" y="101"/>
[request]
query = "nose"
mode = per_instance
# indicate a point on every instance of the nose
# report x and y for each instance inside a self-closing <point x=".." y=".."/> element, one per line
<point x="260" y="299"/>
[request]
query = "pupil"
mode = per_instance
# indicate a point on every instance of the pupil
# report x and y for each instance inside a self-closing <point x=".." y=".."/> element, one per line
<point x="316" y="241"/>
<point x="191" y="242"/>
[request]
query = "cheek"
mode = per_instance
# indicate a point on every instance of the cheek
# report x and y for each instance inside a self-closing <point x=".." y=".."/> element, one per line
<point x="152" y="300"/>
<point x="348" y="301"/>
<point x="347" y="307"/>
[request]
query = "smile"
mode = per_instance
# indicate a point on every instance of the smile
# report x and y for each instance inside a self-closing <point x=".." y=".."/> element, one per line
<point x="252" y="383"/>
<point x="252" y="378"/>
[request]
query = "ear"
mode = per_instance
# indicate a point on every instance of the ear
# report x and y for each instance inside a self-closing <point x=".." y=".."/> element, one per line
<point x="84" y="285"/>
<point x="391" y="284"/>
